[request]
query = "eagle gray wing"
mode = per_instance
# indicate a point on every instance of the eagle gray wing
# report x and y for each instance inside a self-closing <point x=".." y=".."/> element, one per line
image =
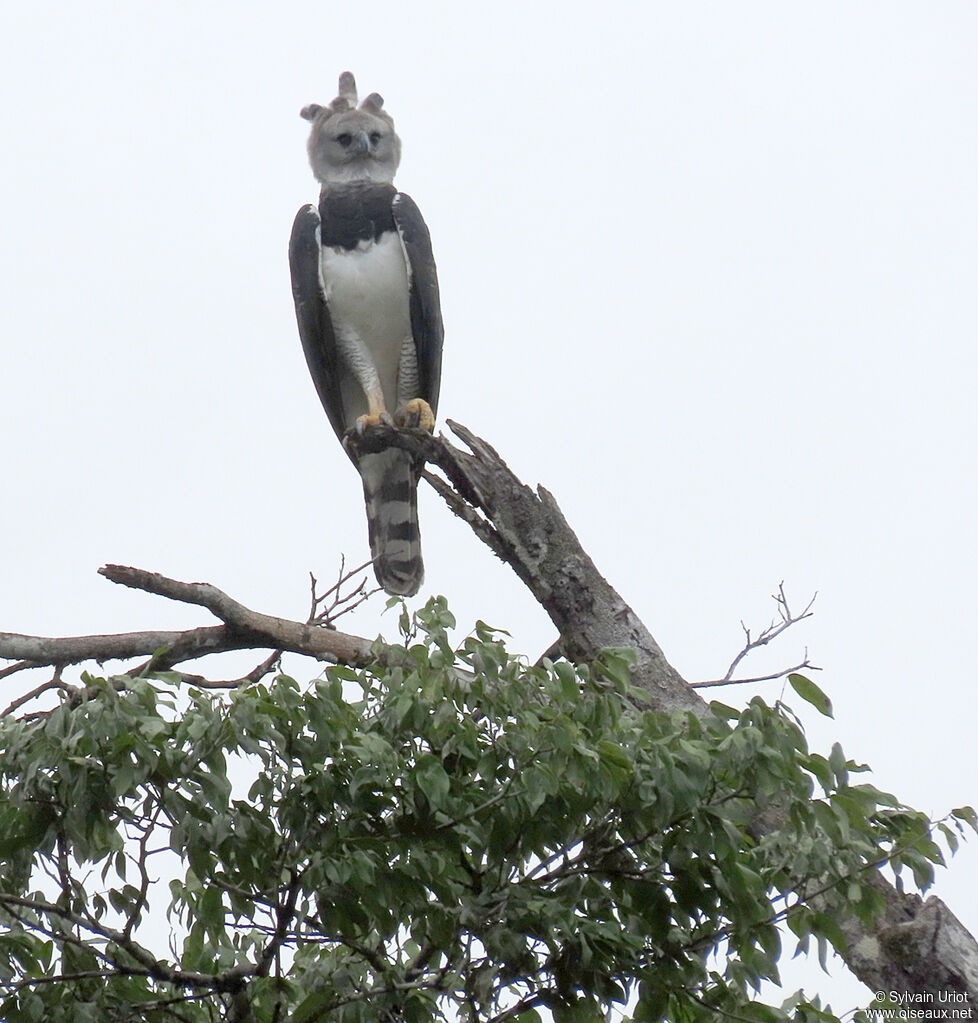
<point x="312" y="314"/>
<point x="426" y="323"/>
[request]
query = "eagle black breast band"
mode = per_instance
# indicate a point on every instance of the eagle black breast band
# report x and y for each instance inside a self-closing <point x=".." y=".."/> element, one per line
<point x="356" y="213"/>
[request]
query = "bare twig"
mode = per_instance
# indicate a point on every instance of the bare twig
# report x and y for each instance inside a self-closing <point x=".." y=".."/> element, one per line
<point x="806" y="664"/>
<point x="140" y="903"/>
<point x="323" y="614"/>
<point x="256" y="674"/>
<point x="319" y="611"/>
<point x="12" y="669"/>
<point x="479" y="525"/>
<point x="53" y="683"/>
<point x="784" y="621"/>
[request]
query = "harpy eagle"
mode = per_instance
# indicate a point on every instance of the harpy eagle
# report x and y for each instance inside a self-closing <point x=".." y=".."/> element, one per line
<point x="366" y="300"/>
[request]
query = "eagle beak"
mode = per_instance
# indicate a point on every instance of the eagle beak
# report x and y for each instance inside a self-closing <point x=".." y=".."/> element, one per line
<point x="361" y="142"/>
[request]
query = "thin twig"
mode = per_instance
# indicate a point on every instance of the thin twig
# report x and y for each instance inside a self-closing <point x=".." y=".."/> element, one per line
<point x="323" y="614"/>
<point x="787" y="619"/>
<point x="65" y="978"/>
<point x="457" y="504"/>
<point x="53" y="683"/>
<point x="805" y="665"/>
<point x="342" y="577"/>
<point x="19" y="666"/>
<point x="140" y="903"/>
<point x="255" y="675"/>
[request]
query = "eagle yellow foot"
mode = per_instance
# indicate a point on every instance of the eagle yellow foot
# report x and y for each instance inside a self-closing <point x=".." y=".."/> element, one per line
<point x="373" y="419"/>
<point x="416" y="414"/>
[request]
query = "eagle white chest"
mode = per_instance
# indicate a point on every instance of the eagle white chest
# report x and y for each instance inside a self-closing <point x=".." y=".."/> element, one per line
<point x="367" y="291"/>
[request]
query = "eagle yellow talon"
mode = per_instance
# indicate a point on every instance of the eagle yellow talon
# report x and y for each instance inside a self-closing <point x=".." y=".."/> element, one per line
<point x="373" y="419"/>
<point x="416" y="414"/>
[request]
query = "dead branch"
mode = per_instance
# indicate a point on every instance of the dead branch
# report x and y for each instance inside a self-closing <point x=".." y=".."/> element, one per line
<point x="783" y="622"/>
<point x="774" y="629"/>
<point x="526" y="529"/>
<point x="256" y="674"/>
<point x="53" y="683"/>
<point x="340" y="603"/>
<point x="243" y="629"/>
<point x="12" y="669"/>
<point x="806" y="664"/>
<point x="43" y="651"/>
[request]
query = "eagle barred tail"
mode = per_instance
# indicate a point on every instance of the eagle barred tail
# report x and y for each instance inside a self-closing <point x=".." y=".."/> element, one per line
<point x="390" y="490"/>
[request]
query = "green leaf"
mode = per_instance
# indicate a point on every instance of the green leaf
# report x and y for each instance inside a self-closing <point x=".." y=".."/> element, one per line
<point x="211" y="910"/>
<point x="311" y="1007"/>
<point x="433" y="781"/>
<point x="819" y="766"/>
<point x="584" y="1011"/>
<point x="950" y="837"/>
<point x="617" y="663"/>
<point x="825" y="926"/>
<point x="811" y="693"/>
<point x="570" y="684"/>
<point x="966" y="814"/>
<point x="529" y="1016"/>
<point x="837" y="761"/>
<point x="345" y="674"/>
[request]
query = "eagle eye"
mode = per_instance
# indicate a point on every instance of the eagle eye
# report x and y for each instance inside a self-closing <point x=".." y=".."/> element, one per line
<point x="375" y="137"/>
<point x="344" y="139"/>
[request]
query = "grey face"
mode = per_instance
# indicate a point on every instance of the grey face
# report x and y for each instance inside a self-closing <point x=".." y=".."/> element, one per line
<point x="354" y="145"/>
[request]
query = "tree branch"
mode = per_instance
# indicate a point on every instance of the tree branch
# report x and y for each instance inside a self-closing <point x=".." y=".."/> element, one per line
<point x="250" y="629"/>
<point x="785" y="620"/>
<point x="527" y="530"/>
<point x="42" y="651"/>
<point x="806" y="664"/>
<point x="250" y="678"/>
<point x="340" y="603"/>
<point x="52" y="683"/>
<point x="151" y="966"/>
<point x="243" y="629"/>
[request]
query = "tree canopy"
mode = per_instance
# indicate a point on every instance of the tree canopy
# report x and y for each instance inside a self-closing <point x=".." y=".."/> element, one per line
<point x="438" y="833"/>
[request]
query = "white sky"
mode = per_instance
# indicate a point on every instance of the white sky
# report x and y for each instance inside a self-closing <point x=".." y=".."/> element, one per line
<point x="707" y="274"/>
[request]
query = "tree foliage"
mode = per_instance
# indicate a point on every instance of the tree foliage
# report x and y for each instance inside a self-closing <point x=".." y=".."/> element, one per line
<point x="446" y="833"/>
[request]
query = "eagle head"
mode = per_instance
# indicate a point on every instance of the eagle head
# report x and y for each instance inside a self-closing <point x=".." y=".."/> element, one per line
<point x="350" y="143"/>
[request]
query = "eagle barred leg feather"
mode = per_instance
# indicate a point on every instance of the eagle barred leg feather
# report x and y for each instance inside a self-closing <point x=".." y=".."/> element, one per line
<point x="369" y="315"/>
